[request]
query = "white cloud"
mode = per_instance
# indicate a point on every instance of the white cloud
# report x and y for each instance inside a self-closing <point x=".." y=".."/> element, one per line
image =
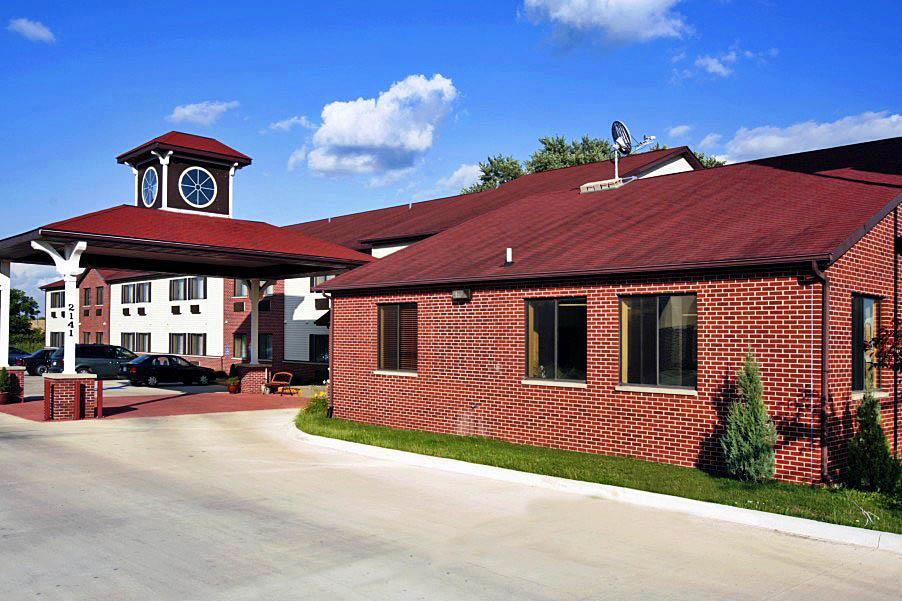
<point x="297" y="158"/>
<point x="462" y="177"/>
<point x="710" y="141"/>
<point x="619" y="20"/>
<point x="384" y="134"/>
<point x="715" y="66"/>
<point x="31" y="30"/>
<point x="30" y="278"/>
<point x="291" y="123"/>
<point x="678" y="131"/>
<point x="769" y="140"/>
<point x="201" y="113"/>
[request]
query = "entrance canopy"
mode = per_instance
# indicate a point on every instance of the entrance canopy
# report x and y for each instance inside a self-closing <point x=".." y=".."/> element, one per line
<point x="166" y="241"/>
<point x="129" y="237"/>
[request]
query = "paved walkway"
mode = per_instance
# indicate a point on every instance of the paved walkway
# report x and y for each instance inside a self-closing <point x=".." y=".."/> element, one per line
<point x="228" y="506"/>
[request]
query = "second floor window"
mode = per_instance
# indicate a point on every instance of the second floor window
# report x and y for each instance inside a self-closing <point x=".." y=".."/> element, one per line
<point x="136" y="293"/>
<point x="659" y="340"/>
<point x="99" y="295"/>
<point x="87" y="297"/>
<point x="398" y="337"/>
<point x="57" y="300"/>
<point x="556" y="339"/>
<point x="188" y="289"/>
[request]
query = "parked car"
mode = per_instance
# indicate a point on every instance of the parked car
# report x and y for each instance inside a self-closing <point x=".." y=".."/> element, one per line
<point x="158" y="369"/>
<point x="38" y="362"/>
<point x="101" y="359"/>
<point x="15" y="354"/>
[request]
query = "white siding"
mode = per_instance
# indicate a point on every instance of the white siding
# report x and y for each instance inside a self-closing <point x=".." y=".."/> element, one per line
<point x="384" y="251"/>
<point x="160" y="322"/>
<point x="55" y="320"/>
<point x="300" y="313"/>
<point x="677" y="165"/>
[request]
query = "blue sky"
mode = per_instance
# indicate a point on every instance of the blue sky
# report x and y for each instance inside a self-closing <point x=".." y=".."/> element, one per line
<point x="347" y="106"/>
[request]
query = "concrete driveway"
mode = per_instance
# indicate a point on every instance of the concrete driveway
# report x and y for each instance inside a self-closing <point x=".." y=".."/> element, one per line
<point x="228" y="506"/>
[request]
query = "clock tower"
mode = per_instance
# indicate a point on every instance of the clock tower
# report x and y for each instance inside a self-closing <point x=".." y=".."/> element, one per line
<point x="185" y="173"/>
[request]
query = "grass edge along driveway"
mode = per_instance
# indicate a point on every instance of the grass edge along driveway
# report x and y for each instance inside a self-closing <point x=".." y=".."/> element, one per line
<point x="834" y="505"/>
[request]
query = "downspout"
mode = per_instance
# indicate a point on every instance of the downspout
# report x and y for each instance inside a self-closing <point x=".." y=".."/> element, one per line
<point x="895" y="333"/>
<point x="330" y="409"/>
<point x="825" y="364"/>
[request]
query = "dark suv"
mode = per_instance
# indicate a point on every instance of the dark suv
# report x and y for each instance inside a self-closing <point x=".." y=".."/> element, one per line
<point x="101" y="359"/>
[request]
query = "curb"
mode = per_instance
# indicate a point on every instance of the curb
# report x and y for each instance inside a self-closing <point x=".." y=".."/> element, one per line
<point x="835" y="533"/>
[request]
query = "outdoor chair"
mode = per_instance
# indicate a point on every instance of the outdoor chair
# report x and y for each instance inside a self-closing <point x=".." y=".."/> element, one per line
<point x="280" y="382"/>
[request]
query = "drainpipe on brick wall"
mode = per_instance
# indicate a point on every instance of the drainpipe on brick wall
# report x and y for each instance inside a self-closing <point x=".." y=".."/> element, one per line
<point x="895" y="333"/>
<point x="825" y="363"/>
<point x="329" y="408"/>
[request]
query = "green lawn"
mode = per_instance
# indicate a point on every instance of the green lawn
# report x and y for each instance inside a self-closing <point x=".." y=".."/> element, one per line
<point x="835" y="505"/>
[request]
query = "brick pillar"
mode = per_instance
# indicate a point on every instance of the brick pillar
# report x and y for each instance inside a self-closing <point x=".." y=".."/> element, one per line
<point x="253" y="377"/>
<point x="16" y="384"/>
<point x="68" y="397"/>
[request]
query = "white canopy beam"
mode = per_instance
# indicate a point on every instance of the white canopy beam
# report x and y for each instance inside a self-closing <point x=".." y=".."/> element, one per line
<point x="67" y="259"/>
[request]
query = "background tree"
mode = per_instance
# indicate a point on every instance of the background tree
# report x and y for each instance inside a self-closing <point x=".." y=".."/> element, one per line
<point x="555" y="152"/>
<point x="23" y="309"/>
<point x="708" y="160"/>
<point x="495" y="171"/>
<point x="748" y="443"/>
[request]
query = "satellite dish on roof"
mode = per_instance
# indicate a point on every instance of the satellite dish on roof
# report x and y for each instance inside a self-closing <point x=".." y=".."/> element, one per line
<point x="623" y="144"/>
<point x="623" y="141"/>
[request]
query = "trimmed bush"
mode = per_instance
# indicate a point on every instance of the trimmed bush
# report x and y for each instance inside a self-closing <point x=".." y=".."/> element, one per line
<point x="6" y="383"/>
<point x="748" y="443"/>
<point x="871" y="465"/>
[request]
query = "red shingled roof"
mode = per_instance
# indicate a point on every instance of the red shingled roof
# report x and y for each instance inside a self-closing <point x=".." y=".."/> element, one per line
<point x="216" y="232"/>
<point x="179" y="140"/>
<point x="419" y="219"/>
<point x="775" y="211"/>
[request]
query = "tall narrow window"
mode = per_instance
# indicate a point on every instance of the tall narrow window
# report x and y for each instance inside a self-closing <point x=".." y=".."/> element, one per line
<point x="197" y="344"/>
<point x="264" y="348"/>
<point x="241" y="288"/>
<point x="178" y="289"/>
<point x="556" y="339"/>
<point x="87" y="297"/>
<point x="659" y="340"/>
<point x="178" y="344"/>
<point x="57" y="300"/>
<point x="57" y="339"/>
<point x="239" y="347"/>
<point x="197" y="288"/>
<point x="319" y="348"/>
<point x="398" y="337"/>
<point x="99" y="295"/>
<point x="865" y="313"/>
<point x="98" y="337"/>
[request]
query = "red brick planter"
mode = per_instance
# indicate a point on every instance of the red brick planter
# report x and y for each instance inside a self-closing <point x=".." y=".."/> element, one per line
<point x="70" y="397"/>
<point x="253" y="378"/>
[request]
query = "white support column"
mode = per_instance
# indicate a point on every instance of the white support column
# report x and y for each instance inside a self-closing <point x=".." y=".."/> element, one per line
<point x="4" y="312"/>
<point x="164" y="161"/>
<point x="232" y="185"/>
<point x="137" y="185"/>
<point x="66" y="260"/>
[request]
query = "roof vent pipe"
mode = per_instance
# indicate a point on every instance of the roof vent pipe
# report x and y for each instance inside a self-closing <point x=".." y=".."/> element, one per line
<point x="509" y="256"/>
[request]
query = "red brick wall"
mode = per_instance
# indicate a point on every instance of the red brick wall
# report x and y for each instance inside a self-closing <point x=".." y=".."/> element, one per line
<point x="60" y="395"/>
<point x="92" y="322"/>
<point x="865" y="269"/>
<point x="471" y="363"/>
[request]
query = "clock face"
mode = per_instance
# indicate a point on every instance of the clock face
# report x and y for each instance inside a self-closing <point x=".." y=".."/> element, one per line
<point x="197" y="187"/>
<point x="149" y="187"/>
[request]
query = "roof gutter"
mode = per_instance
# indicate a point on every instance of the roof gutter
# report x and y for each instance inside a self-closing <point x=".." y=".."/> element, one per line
<point x="825" y="365"/>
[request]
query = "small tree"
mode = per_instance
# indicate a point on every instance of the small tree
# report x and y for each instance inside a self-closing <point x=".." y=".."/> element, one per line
<point x="871" y="465"/>
<point x="748" y="443"/>
<point x="495" y="171"/>
<point x="5" y="380"/>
